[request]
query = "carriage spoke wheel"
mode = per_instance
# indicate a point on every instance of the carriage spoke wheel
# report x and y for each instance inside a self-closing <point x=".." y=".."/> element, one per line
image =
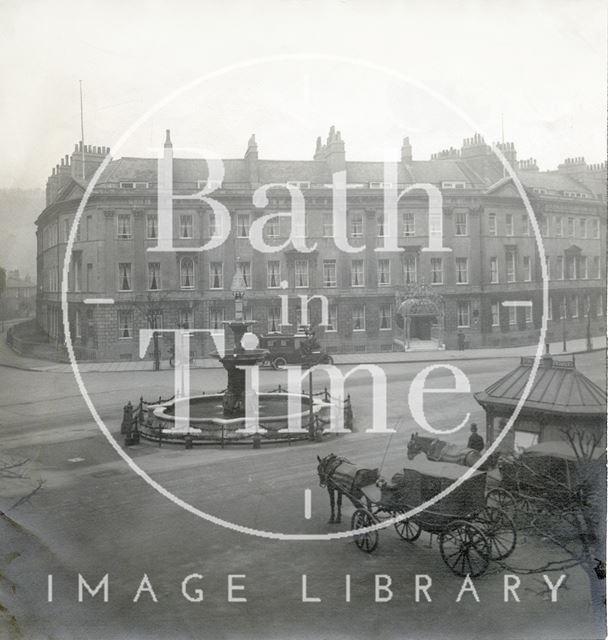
<point x="362" y="519"/>
<point x="408" y="530"/>
<point x="464" y="548"/>
<point x="500" y="531"/>
<point x="501" y="499"/>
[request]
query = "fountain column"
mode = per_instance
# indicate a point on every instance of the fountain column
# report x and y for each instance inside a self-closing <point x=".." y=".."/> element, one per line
<point x="233" y="402"/>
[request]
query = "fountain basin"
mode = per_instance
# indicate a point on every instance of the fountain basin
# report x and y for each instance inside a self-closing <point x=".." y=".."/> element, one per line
<point x="209" y="425"/>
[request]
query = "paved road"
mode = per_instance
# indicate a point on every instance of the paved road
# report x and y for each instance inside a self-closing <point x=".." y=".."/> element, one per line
<point x="94" y="516"/>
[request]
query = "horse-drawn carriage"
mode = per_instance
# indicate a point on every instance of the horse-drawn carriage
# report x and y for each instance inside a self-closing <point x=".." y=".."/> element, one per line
<point x="541" y="477"/>
<point x="470" y="533"/>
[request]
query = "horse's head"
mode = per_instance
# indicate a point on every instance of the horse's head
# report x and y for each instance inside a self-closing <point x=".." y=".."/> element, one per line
<point x="413" y="447"/>
<point x="322" y="468"/>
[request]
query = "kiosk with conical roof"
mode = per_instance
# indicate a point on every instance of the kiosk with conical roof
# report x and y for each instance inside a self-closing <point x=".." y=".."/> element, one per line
<point x="561" y="397"/>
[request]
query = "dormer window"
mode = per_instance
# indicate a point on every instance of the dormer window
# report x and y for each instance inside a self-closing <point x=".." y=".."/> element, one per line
<point x="134" y="185"/>
<point x="458" y="184"/>
<point x="212" y="185"/>
<point x="300" y="184"/>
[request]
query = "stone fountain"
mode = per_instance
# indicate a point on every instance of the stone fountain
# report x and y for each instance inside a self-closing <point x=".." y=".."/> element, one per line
<point x="221" y="417"/>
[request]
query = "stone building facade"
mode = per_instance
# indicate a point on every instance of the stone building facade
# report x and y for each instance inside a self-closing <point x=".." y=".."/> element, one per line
<point x="493" y="259"/>
<point x="19" y="296"/>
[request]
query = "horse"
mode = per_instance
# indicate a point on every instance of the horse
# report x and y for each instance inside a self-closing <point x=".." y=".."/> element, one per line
<point x="326" y="469"/>
<point x="439" y="450"/>
<point x="347" y="481"/>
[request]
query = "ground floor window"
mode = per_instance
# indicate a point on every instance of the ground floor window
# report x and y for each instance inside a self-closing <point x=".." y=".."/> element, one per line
<point x="464" y="314"/>
<point x="154" y="319"/>
<point x="332" y="312"/>
<point x="495" y="310"/>
<point x="386" y="316"/>
<point x="274" y="320"/>
<point x="77" y="331"/>
<point x="216" y="318"/>
<point x="125" y="324"/>
<point x="184" y="319"/>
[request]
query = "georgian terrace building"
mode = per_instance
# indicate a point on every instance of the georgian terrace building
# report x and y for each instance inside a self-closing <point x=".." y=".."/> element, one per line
<point x="377" y="301"/>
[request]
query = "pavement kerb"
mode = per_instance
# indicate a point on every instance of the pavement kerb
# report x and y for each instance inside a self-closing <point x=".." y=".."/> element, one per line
<point x="347" y="359"/>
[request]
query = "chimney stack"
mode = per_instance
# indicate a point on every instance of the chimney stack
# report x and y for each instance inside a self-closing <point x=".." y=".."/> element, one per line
<point x="406" y="150"/>
<point x="251" y="158"/>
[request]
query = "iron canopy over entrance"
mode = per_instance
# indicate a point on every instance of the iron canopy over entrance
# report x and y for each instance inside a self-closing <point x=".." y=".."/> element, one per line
<point x="420" y="313"/>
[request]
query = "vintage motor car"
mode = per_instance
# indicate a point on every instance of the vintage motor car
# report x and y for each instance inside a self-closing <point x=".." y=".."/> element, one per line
<point x="301" y="348"/>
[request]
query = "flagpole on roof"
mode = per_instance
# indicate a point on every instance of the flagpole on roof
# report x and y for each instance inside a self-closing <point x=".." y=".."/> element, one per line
<point x="82" y="130"/>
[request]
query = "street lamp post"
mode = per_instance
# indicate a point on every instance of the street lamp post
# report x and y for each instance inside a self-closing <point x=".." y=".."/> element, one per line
<point x="564" y="345"/>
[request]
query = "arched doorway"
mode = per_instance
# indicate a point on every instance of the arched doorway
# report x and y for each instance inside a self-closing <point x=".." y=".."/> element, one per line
<point x="420" y="315"/>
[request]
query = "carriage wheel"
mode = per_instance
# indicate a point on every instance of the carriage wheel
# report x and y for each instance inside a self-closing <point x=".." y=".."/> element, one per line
<point x="408" y="530"/>
<point x="501" y="499"/>
<point x="365" y="541"/>
<point x="464" y="548"/>
<point x="500" y="531"/>
<point x="279" y="363"/>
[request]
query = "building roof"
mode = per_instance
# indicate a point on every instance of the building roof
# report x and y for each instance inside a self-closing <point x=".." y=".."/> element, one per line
<point x="553" y="181"/>
<point x="559" y="388"/>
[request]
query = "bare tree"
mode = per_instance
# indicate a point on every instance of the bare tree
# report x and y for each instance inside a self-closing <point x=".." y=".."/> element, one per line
<point x="151" y="306"/>
<point x="13" y="471"/>
<point x="564" y="504"/>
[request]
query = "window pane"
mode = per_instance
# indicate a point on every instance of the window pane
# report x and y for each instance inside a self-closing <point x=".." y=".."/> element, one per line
<point x="124" y="276"/>
<point x="185" y="226"/>
<point x="216" y="275"/>
<point x="187" y="273"/>
<point x="273" y="274"/>
<point x="329" y="273"/>
<point x="462" y="271"/>
<point x="436" y="271"/>
<point x="384" y="273"/>
<point x="154" y="275"/>
<point x="152" y="226"/>
<point x="409" y="269"/>
<point x="301" y="273"/>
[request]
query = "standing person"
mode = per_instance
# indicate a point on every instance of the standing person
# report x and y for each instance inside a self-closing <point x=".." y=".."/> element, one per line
<point x="475" y="440"/>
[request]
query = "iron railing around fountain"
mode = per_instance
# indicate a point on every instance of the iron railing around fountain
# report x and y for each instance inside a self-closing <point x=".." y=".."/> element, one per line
<point x="138" y="421"/>
<point x="134" y="418"/>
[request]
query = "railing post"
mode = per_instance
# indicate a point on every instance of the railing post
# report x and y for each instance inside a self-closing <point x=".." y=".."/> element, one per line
<point x="127" y="417"/>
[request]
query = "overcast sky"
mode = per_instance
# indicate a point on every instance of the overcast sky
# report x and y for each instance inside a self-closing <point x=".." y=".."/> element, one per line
<point x="540" y="63"/>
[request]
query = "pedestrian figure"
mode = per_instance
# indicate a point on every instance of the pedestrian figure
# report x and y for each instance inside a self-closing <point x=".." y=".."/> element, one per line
<point x="475" y="440"/>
